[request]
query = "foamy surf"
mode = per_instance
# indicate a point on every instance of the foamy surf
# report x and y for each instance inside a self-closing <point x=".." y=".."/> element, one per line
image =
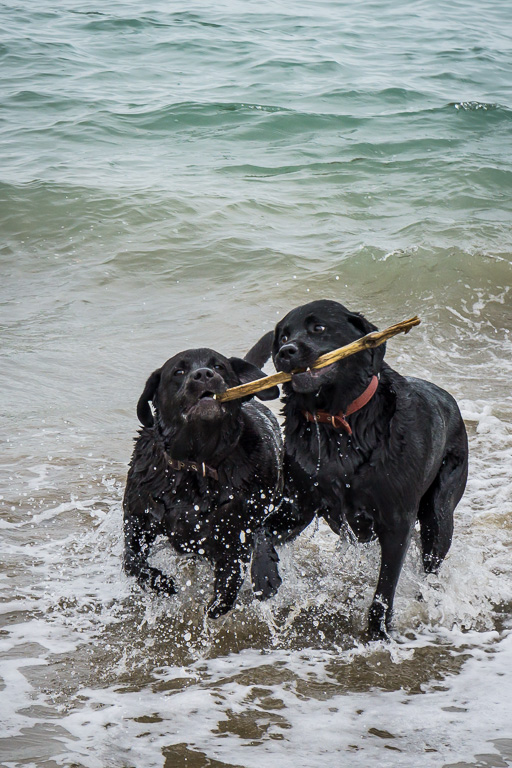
<point x="96" y="671"/>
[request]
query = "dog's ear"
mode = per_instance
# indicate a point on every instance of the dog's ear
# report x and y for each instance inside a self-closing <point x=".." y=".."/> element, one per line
<point x="362" y="324"/>
<point x="261" y="351"/>
<point x="143" y="410"/>
<point x="247" y="372"/>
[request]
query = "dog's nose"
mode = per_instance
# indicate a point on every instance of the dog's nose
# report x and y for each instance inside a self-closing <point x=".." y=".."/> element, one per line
<point x="288" y="352"/>
<point x="203" y="374"/>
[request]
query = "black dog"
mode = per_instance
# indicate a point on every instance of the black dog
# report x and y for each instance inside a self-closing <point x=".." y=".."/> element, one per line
<point x="385" y="450"/>
<point x="203" y="473"/>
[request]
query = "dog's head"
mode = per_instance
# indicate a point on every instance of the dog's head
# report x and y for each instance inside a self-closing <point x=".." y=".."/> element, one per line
<point x="314" y="329"/>
<point x="182" y="390"/>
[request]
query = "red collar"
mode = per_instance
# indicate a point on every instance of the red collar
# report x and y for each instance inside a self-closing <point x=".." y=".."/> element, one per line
<point x="339" y="420"/>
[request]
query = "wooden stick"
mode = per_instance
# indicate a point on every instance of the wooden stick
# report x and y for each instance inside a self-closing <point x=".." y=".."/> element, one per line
<point x="366" y="342"/>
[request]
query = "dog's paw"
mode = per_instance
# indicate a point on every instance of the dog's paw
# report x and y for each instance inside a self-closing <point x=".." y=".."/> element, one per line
<point x="217" y="608"/>
<point x="266" y="584"/>
<point x="265" y="576"/>
<point x="161" y="583"/>
<point x="378" y="633"/>
<point x="378" y="621"/>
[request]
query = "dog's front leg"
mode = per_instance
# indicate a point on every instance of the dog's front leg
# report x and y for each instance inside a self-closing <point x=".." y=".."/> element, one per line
<point x="265" y="576"/>
<point x="228" y="552"/>
<point x="289" y="518"/>
<point x="283" y="524"/>
<point x="137" y="543"/>
<point x="394" y="545"/>
<point x="228" y="580"/>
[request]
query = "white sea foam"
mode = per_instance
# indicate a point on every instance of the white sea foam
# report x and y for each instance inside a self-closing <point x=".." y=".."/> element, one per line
<point x="288" y="702"/>
<point x="454" y="720"/>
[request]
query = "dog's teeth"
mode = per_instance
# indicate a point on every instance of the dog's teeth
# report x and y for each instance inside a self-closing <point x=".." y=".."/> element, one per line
<point x="308" y="370"/>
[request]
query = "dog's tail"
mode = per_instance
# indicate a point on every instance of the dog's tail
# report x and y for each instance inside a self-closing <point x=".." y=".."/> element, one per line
<point x="261" y="351"/>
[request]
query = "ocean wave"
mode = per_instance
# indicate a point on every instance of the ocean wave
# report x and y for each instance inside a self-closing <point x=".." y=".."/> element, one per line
<point x="76" y="117"/>
<point x="112" y="24"/>
<point x="474" y="106"/>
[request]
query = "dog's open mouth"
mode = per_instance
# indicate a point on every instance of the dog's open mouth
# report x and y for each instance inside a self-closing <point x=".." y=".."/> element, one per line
<point x="310" y="380"/>
<point x="205" y="406"/>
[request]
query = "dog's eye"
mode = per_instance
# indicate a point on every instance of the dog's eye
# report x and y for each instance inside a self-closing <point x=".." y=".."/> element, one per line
<point x="179" y="372"/>
<point x="318" y="328"/>
<point x="284" y="339"/>
<point x="218" y="367"/>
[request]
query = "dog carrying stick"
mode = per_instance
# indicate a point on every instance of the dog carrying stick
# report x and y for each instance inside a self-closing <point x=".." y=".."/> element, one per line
<point x="366" y="342"/>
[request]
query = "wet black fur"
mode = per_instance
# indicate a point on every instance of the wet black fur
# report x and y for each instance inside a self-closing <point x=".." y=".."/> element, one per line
<point x="218" y="519"/>
<point x="406" y="460"/>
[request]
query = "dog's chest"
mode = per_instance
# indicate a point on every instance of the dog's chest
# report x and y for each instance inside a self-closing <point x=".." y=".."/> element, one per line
<point x="329" y="457"/>
<point x="200" y="520"/>
<point x="331" y="469"/>
<point x="186" y="512"/>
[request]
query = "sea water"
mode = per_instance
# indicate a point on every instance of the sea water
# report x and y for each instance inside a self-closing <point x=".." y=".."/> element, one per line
<point x="176" y="175"/>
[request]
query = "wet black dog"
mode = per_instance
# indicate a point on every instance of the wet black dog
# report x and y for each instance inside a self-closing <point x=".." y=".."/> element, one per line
<point x="385" y="451"/>
<point x="203" y="473"/>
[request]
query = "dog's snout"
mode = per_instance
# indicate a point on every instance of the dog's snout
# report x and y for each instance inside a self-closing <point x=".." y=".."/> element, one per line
<point x="203" y="374"/>
<point x="204" y="381"/>
<point x="289" y="352"/>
